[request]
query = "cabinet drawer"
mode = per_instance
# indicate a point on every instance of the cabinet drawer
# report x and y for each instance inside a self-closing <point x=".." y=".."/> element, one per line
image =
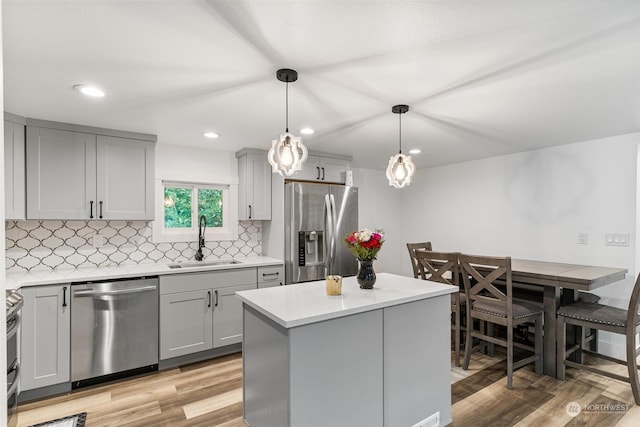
<point x="270" y="276"/>
<point x="183" y="282"/>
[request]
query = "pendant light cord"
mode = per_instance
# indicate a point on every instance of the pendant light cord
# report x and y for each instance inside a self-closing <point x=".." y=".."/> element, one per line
<point x="287" y="106"/>
<point x="400" y="133"/>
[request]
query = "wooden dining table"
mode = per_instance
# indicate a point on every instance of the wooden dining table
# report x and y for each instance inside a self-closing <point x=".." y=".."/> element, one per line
<point x="560" y="284"/>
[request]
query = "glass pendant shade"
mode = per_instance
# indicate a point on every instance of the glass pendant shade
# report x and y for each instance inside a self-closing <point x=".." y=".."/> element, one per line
<point x="400" y="170"/>
<point x="287" y="154"/>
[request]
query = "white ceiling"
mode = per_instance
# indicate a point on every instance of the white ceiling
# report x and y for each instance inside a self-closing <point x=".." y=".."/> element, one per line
<point x="481" y="77"/>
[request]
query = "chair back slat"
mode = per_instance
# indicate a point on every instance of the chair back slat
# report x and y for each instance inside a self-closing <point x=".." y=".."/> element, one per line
<point x="486" y="271"/>
<point x="417" y="268"/>
<point x="435" y="265"/>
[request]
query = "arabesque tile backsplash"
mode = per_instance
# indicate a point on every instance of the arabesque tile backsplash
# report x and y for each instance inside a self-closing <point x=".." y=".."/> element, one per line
<point x="54" y="245"/>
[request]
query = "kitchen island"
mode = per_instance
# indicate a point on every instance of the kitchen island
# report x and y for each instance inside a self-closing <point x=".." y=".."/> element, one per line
<point x="378" y="357"/>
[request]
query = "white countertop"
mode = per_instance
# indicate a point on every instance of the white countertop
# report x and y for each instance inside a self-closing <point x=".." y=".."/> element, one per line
<point x="15" y="280"/>
<point x="305" y="303"/>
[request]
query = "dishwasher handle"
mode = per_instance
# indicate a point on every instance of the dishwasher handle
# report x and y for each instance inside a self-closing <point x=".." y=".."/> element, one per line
<point x="93" y="293"/>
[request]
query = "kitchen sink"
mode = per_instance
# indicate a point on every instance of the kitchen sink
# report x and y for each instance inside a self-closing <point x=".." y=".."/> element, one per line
<point x="196" y="264"/>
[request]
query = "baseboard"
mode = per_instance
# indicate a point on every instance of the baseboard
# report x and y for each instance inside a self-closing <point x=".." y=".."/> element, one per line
<point x="200" y="356"/>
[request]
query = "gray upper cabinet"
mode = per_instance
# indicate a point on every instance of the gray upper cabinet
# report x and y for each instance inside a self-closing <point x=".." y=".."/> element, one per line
<point x="324" y="168"/>
<point x="61" y="174"/>
<point x="125" y="173"/>
<point x="14" y="167"/>
<point x="254" y="185"/>
<point x="76" y="172"/>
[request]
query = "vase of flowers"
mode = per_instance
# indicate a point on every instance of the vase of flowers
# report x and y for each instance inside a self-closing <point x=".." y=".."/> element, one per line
<point x="365" y="244"/>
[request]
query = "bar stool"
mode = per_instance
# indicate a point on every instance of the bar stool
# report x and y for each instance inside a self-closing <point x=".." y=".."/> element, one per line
<point x="605" y="318"/>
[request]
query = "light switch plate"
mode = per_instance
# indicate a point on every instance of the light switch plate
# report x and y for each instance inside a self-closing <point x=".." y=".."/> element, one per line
<point x="617" y="239"/>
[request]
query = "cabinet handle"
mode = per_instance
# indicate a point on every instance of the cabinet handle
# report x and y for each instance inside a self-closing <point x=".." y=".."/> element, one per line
<point x="64" y="296"/>
<point x="91" y="209"/>
<point x="100" y="209"/>
<point x="209" y="298"/>
<point x="264" y="275"/>
<point x="322" y="174"/>
<point x="280" y="283"/>
<point x="250" y="212"/>
<point x="216" y="295"/>
<point x="318" y="170"/>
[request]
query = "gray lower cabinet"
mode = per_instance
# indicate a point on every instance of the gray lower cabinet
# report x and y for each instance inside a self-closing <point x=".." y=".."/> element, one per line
<point x="45" y="336"/>
<point x="270" y="276"/>
<point x="104" y="174"/>
<point x="185" y="323"/>
<point x="227" y="315"/>
<point x="199" y="311"/>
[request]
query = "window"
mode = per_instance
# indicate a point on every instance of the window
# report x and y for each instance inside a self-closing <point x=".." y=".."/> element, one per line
<point x="181" y="209"/>
<point x="184" y="203"/>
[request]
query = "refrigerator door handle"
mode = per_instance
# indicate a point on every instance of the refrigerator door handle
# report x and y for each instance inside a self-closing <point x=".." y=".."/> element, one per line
<point x="334" y="230"/>
<point x="329" y="229"/>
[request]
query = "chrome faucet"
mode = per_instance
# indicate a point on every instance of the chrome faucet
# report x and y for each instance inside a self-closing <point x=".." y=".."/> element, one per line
<point x="202" y="226"/>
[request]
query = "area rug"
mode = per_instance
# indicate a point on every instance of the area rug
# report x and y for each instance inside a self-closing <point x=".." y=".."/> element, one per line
<point x="76" y="420"/>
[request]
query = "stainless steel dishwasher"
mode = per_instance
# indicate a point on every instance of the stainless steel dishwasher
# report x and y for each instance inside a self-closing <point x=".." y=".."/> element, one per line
<point x="114" y="330"/>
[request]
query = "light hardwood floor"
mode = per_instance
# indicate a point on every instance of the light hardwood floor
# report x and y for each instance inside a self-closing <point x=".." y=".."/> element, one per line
<point x="210" y="394"/>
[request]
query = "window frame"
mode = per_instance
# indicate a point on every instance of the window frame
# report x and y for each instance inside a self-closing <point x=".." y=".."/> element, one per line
<point x="229" y="229"/>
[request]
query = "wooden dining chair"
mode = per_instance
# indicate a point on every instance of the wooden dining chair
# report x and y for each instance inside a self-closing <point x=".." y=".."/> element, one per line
<point x="442" y="267"/>
<point x="412" y="247"/>
<point x="487" y="303"/>
<point x="605" y="318"/>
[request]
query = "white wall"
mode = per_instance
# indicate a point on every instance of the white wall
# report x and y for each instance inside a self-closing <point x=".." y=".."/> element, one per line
<point x="532" y="205"/>
<point x="380" y="207"/>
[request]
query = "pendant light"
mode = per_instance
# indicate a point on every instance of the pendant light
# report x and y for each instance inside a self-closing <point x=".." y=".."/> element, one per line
<point x="287" y="154"/>
<point x="400" y="167"/>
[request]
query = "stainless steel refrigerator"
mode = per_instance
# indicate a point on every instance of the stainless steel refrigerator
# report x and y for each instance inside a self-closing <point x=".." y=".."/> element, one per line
<point x="317" y="218"/>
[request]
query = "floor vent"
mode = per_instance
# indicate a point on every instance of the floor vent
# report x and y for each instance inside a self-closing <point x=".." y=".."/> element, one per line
<point x="430" y="421"/>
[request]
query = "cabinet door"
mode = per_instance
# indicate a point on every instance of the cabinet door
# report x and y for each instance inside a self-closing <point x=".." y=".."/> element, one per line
<point x="45" y="337"/>
<point x="14" y="178"/>
<point x="124" y="178"/>
<point x="227" y="315"/>
<point x="254" y="192"/>
<point x="310" y="170"/>
<point x="61" y="174"/>
<point x="331" y="169"/>
<point x="185" y="323"/>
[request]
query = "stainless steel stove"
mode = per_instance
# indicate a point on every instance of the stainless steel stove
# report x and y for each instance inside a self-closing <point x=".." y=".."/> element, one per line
<point x="14" y="304"/>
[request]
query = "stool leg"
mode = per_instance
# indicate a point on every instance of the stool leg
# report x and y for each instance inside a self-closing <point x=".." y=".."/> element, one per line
<point x="539" y="342"/>
<point x="631" y="365"/>
<point x="561" y="347"/>
<point x="457" y="337"/>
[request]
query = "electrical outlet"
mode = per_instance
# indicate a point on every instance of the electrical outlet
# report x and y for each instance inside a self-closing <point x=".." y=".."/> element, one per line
<point x="583" y="238"/>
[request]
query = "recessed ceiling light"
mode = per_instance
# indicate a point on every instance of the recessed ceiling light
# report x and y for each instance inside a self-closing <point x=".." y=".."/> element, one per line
<point x="306" y="131"/>
<point x="415" y="151"/>
<point x="90" y="91"/>
<point x="211" y="135"/>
